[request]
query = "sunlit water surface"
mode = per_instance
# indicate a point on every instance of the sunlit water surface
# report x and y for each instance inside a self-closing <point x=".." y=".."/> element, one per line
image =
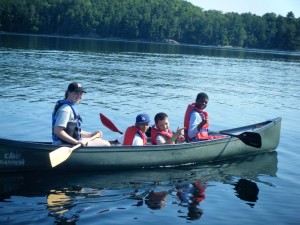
<point x="123" y="79"/>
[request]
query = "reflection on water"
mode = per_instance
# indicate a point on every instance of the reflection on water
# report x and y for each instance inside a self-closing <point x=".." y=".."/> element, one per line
<point x="190" y="196"/>
<point x="68" y="195"/>
<point x="247" y="191"/>
<point x="94" y="45"/>
<point x="58" y="202"/>
<point x="156" y="199"/>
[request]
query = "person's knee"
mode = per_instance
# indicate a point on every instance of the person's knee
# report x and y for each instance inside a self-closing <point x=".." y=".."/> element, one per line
<point x="99" y="142"/>
<point x="106" y="143"/>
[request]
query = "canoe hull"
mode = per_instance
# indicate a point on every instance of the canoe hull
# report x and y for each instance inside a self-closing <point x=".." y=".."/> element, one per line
<point x="34" y="156"/>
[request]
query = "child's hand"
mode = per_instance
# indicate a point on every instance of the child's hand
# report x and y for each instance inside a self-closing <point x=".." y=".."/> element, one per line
<point x="179" y="132"/>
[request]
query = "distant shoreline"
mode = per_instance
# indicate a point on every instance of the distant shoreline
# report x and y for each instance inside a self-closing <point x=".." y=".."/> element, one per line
<point x="92" y="37"/>
<point x="166" y="42"/>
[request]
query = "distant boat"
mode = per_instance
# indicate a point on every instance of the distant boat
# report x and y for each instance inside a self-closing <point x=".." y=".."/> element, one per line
<point x="171" y="41"/>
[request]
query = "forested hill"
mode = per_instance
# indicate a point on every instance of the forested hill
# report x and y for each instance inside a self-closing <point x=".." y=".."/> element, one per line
<point x="151" y="20"/>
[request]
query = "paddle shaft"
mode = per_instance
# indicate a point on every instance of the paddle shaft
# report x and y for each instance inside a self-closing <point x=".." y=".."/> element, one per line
<point x="79" y="145"/>
<point x="75" y="147"/>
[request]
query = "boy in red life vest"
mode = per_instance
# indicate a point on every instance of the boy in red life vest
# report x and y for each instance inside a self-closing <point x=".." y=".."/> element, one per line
<point x="161" y="133"/>
<point x="135" y="135"/>
<point x="196" y="121"/>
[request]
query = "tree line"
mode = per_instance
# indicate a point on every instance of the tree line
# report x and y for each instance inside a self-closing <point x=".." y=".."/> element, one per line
<point x="151" y="20"/>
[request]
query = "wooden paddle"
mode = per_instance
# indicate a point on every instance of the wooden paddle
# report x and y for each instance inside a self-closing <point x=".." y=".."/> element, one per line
<point x="61" y="154"/>
<point x="249" y="138"/>
<point x="106" y="122"/>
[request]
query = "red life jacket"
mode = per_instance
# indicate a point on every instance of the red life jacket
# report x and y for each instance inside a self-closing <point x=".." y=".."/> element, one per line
<point x="154" y="132"/>
<point x="203" y="133"/>
<point x="130" y="133"/>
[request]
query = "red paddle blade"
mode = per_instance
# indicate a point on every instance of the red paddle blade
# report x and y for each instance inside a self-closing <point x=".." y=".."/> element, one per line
<point x="106" y="122"/>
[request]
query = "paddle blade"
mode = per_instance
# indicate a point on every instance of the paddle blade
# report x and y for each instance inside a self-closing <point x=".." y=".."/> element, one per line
<point x="59" y="155"/>
<point x="251" y="139"/>
<point x="106" y="122"/>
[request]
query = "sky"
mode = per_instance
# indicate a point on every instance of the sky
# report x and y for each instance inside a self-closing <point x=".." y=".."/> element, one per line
<point x="258" y="7"/>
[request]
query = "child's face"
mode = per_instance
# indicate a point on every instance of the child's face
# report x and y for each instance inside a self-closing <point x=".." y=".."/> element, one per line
<point x="143" y="127"/>
<point x="201" y="103"/>
<point x="163" y="125"/>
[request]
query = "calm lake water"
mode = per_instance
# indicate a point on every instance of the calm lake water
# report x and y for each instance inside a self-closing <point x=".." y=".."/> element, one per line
<point x="125" y="78"/>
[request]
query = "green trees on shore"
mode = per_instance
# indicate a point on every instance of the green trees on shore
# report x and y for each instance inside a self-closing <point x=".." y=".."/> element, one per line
<point x="151" y="20"/>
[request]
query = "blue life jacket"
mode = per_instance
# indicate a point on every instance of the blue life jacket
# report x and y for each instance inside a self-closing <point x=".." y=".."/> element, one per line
<point x="73" y="128"/>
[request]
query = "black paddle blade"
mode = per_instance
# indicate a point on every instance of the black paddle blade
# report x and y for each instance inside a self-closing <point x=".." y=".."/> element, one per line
<point x="250" y="138"/>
